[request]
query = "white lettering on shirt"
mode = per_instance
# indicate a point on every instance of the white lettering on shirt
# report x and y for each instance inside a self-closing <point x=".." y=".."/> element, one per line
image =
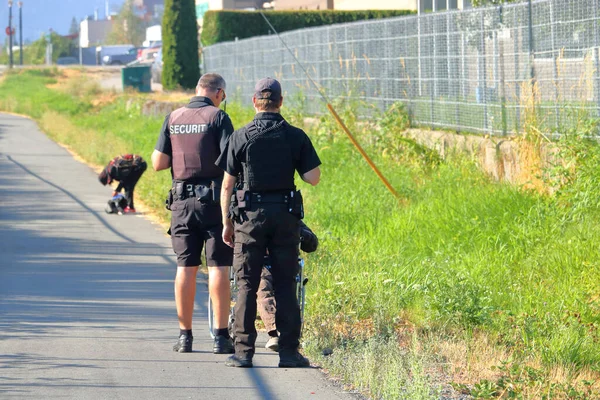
<point x="188" y="129"/>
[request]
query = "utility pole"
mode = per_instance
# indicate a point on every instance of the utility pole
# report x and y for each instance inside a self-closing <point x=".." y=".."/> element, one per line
<point x="20" y="3"/>
<point x="10" y="35"/>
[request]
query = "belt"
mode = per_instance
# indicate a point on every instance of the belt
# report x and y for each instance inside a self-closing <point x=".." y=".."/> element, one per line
<point x="276" y="198"/>
<point x="182" y="191"/>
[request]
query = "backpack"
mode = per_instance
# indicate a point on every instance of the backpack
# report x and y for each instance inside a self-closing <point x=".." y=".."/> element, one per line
<point x="122" y="166"/>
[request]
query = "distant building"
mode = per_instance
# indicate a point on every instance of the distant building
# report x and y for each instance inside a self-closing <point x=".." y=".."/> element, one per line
<point x="93" y="33"/>
<point x="425" y="5"/>
<point x="203" y="6"/>
<point x="150" y="9"/>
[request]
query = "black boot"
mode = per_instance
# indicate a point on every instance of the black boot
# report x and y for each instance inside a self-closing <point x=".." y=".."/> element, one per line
<point x="235" y="361"/>
<point x="292" y="359"/>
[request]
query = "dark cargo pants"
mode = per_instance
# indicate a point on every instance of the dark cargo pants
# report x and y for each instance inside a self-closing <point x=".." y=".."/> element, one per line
<point x="266" y="227"/>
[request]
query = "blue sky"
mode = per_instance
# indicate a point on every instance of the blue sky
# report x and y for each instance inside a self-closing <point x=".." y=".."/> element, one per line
<point x="40" y="15"/>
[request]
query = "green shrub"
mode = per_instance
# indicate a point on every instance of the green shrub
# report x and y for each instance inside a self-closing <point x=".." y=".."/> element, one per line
<point x="223" y="26"/>
<point x="181" y="63"/>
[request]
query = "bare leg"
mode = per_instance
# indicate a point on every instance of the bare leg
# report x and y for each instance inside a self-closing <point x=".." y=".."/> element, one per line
<point x="185" y="293"/>
<point x="220" y="294"/>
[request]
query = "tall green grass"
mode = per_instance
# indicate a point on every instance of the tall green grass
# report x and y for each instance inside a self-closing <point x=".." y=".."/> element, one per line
<point x="459" y="256"/>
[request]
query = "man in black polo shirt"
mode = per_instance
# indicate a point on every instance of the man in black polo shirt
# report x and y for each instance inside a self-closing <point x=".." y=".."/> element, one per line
<point x="191" y="139"/>
<point x="266" y="154"/>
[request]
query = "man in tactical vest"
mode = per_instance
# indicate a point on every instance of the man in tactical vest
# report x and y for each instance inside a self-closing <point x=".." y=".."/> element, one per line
<point x="191" y="139"/>
<point x="266" y="153"/>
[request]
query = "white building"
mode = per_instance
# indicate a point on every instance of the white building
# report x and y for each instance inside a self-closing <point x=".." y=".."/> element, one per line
<point x="93" y="33"/>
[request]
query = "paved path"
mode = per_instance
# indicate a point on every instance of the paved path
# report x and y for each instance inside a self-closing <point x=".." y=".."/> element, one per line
<point x="86" y="298"/>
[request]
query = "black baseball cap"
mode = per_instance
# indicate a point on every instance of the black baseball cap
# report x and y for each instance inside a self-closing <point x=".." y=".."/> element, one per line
<point x="267" y="88"/>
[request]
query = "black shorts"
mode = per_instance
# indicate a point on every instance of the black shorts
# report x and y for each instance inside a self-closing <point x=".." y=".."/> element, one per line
<point x="194" y="226"/>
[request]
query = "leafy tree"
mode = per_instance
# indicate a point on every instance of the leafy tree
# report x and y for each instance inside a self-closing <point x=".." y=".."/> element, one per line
<point x="74" y="27"/>
<point x="180" y="45"/>
<point x="35" y="53"/>
<point x="128" y="27"/>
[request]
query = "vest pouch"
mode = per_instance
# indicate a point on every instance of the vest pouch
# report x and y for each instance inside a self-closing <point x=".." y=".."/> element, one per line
<point x="241" y="197"/>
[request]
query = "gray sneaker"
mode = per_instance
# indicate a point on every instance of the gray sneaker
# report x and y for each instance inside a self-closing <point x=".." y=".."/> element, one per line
<point x="273" y="343"/>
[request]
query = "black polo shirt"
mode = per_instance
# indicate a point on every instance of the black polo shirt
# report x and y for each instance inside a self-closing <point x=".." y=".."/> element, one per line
<point x="304" y="155"/>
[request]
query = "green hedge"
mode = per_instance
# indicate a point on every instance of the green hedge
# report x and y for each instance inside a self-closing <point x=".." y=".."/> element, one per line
<point x="180" y="45"/>
<point x="223" y="26"/>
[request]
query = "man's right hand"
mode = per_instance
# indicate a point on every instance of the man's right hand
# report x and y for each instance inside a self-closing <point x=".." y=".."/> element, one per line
<point x="228" y="233"/>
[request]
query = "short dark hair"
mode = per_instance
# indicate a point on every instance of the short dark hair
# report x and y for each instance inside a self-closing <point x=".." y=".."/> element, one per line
<point x="211" y="81"/>
<point x="267" y="104"/>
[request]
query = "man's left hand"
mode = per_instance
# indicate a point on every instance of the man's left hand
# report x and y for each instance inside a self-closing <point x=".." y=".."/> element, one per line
<point x="228" y="233"/>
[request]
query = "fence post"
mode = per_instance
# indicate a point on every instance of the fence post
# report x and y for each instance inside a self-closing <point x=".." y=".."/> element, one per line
<point x="555" y="62"/>
<point x="597" y="52"/>
<point x="502" y="82"/>
<point x="531" y="50"/>
<point x="419" y="50"/>
<point x="464" y="65"/>
<point x="483" y="74"/>
<point x="517" y="83"/>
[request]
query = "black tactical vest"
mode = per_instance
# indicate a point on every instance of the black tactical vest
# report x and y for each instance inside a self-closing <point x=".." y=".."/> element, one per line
<point x="269" y="160"/>
<point x="195" y="143"/>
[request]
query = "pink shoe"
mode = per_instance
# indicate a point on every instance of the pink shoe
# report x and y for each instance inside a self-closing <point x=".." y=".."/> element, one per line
<point x="129" y="210"/>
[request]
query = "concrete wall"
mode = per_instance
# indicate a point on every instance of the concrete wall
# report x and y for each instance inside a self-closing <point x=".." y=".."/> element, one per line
<point x="517" y="162"/>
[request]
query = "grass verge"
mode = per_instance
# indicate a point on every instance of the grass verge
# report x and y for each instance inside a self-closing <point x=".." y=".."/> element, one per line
<point x="489" y="287"/>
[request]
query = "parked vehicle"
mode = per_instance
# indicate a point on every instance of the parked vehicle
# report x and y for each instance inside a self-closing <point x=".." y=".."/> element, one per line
<point x="67" y="61"/>
<point x="156" y="67"/>
<point x="116" y="55"/>
<point x="147" y="55"/>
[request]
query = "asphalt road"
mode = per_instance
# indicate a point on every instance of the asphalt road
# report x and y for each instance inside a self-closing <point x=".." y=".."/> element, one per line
<point x="86" y="298"/>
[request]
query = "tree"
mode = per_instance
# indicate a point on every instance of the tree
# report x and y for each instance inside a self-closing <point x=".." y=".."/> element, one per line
<point x="74" y="27"/>
<point x="180" y="45"/>
<point x="128" y="28"/>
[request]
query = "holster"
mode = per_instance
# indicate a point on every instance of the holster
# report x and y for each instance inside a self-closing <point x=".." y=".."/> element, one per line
<point x="296" y="204"/>
<point x="203" y="193"/>
<point x="216" y="191"/>
<point x="169" y="200"/>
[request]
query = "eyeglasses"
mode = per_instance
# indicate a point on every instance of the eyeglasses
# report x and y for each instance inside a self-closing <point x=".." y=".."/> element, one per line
<point x="224" y="94"/>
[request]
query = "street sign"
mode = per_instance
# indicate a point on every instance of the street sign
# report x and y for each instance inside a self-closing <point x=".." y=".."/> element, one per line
<point x="9" y="32"/>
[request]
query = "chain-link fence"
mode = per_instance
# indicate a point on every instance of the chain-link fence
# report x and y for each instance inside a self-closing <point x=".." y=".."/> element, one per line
<point x="465" y="70"/>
